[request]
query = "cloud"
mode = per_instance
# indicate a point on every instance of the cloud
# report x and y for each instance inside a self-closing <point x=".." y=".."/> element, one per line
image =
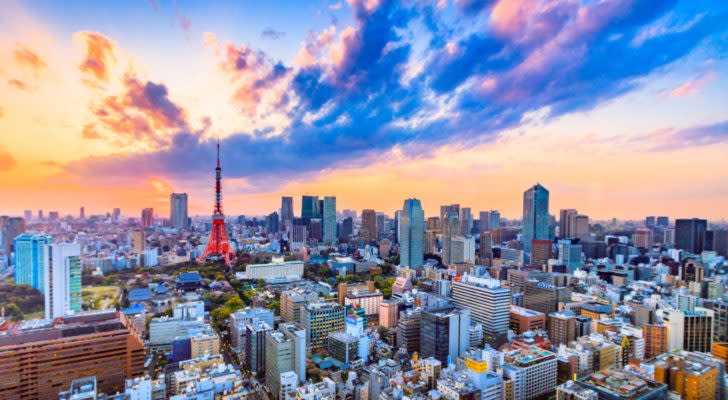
<point x="692" y="86"/>
<point x="7" y="162"/>
<point x="270" y="33"/>
<point x="143" y="114"/>
<point x="2" y="112"/>
<point x="184" y="22"/>
<point x="352" y="94"/>
<point x="18" y="84"/>
<point x="335" y="6"/>
<point x="698" y="136"/>
<point x="29" y="59"/>
<point x="99" y="56"/>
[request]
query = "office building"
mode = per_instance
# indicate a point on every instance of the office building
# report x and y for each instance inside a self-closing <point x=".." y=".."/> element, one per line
<point x="368" y="225"/>
<point x="570" y="255"/>
<point x="10" y="228"/>
<point x="39" y="358"/>
<point x="562" y="327"/>
<point x="412" y="230"/>
<point x="642" y="237"/>
<point x="147" y="219"/>
<point x="532" y="372"/>
<point x="254" y="346"/>
<point x="541" y="252"/>
<point x="293" y="301"/>
<point x="139" y="241"/>
<point x="690" y="234"/>
<point x="523" y="320"/>
<point x="329" y="220"/>
<point x="655" y="339"/>
<point x="292" y="270"/>
<point x="285" y="352"/>
<point x="692" y="375"/>
<point x="310" y="208"/>
<point x="535" y="215"/>
<point x="450" y="230"/>
<point x="30" y="254"/>
<point x="62" y="271"/>
<point x="689" y="330"/>
<point x="365" y="301"/>
<point x="622" y="384"/>
<point x="287" y="210"/>
<point x="388" y="313"/>
<point x="544" y="297"/>
<point x="567" y="223"/>
<point x="178" y="216"/>
<point x="321" y="319"/>
<point x="408" y="330"/>
<point x="445" y="333"/>
<point x="466" y="221"/>
<point x="489" y="303"/>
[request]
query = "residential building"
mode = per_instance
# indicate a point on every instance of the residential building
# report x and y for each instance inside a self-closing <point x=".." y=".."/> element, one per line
<point x="62" y="284"/>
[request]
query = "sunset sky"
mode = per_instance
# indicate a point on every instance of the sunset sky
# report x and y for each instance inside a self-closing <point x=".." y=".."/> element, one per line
<point x="618" y="107"/>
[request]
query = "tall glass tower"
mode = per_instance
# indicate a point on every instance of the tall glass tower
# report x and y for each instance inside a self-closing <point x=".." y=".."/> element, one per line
<point x="535" y="215"/>
<point x="329" y="222"/>
<point x="29" y="257"/>
<point x="412" y="231"/>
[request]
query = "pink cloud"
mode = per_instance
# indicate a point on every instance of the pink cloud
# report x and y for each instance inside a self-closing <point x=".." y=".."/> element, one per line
<point x="99" y="54"/>
<point x="691" y="87"/>
<point x="7" y="161"/>
<point x="29" y="59"/>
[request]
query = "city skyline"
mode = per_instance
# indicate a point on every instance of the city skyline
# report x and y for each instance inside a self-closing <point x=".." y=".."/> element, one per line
<point x="372" y="102"/>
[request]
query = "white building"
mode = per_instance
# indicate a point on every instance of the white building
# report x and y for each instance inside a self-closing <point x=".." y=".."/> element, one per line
<point x="62" y="284"/>
<point x="276" y="270"/>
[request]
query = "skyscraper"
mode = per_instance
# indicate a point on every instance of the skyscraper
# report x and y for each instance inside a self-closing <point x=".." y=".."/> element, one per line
<point x="82" y="213"/>
<point x="286" y="210"/>
<point x="10" y="228"/>
<point x="412" y="231"/>
<point x="178" y="210"/>
<point x="448" y="210"/>
<point x="310" y="208"/>
<point x="62" y="286"/>
<point x="566" y="222"/>
<point x="369" y="225"/>
<point x="450" y="230"/>
<point x="329" y="219"/>
<point x="444" y="333"/>
<point x="690" y="234"/>
<point x="147" y="217"/>
<point x="535" y="215"/>
<point x="30" y="253"/>
<point x="466" y="220"/>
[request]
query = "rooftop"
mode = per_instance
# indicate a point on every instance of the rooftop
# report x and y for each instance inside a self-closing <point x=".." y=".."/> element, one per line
<point x="621" y="383"/>
<point x="527" y="355"/>
<point x="14" y="333"/>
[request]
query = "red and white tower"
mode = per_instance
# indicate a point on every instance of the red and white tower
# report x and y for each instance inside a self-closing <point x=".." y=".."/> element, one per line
<point x="218" y="246"/>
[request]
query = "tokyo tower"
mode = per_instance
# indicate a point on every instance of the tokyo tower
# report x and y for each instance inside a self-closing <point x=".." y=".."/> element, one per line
<point x="218" y="246"/>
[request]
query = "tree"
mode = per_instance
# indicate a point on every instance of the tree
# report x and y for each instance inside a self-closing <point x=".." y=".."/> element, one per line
<point x="260" y="283"/>
<point x="234" y="303"/>
<point x="13" y="311"/>
<point x="220" y="317"/>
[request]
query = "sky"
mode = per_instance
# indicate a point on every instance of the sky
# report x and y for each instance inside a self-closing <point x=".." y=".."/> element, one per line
<point x="618" y="107"/>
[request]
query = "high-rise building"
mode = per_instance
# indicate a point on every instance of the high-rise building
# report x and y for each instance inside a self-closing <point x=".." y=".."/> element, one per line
<point x="412" y="230"/>
<point x="369" y="225"/>
<point x="408" y="330"/>
<point x="535" y="215"/>
<point x="433" y="224"/>
<point x="30" y="254"/>
<point x="388" y="313"/>
<point x="689" y="330"/>
<point x="541" y="252"/>
<point x="663" y="221"/>
<point x="655" y="339"/>
<point x="650" y="221"/>
<point x="466" y="220"/>
<point x="62" y="271"/>
<point x="570" y="254"/>
<point x="690" y="234"/>
<point x="40" y="358"/>
<point x="532" y="372"/>
<point x="462" y="250"/>
<point x="10" y="228"/>
<point x="28" y="215"/>
<point x="293" y="301"/>
<point x="642" y="237"/>
<point x="347" y="227"/>
<point x="329" y="219"/>
<point x="272" y="222"/>
<point x="320" y="319"/>
<point x="139" y="241"/>
<point x="691" y="375"/>
<point x="310" y="208"/>
<point x="178" y="217"/>
<point x="567" y="222"/>
<point x="488" y="301"/>
<point x="82" y="213"/>
<point x="147" y="217"/>
<point x="445" y="333"/>
<point x="286" y="210"/>
<point x="254" y="346"/>
<point x="285" y="352"/>
<point x="450" y="230"/>
<point x="446" y="211"/>
<point x="523" y="320"/>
